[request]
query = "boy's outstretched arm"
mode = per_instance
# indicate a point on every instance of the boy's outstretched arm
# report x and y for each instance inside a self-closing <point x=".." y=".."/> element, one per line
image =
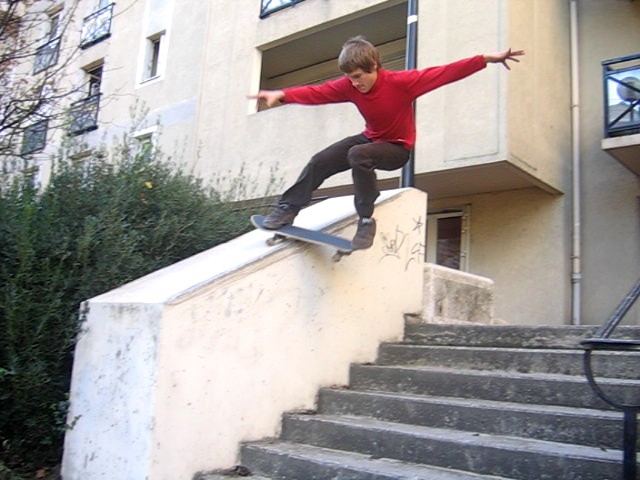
<point x="502" y="57"/>
<point x="270" y="97"/>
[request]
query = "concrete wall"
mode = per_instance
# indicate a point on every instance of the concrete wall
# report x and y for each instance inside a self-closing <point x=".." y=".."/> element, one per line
<point x="463" y="123"/>
<point x="172" y="371"/>
<point x="539" y="90"/>
<point x="519" y="240"/>
<point x="610" y="192"/>
<point x="452" y="296"/>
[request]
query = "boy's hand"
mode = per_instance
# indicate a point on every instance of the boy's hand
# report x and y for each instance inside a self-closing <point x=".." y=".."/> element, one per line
<point x="270" y="97"/>
<point x="502" y="57"/>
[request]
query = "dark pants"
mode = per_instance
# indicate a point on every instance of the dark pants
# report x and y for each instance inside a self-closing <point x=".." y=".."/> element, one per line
<point x="357" y="153"/>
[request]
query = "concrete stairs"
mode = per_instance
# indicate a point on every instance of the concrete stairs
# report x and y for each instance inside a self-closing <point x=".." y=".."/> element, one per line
<point x="461" y="402"/>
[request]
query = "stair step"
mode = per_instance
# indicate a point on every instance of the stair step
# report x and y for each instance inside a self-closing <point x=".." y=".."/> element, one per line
<point x="560" y="361"/>
<point x="286" y="461"/>
<point x="224" y="476"/>
<point x="518" y="336"/>
<point x="595" y="428"/>
<point x="506" y="456"/>
<point x="541" y="389"/>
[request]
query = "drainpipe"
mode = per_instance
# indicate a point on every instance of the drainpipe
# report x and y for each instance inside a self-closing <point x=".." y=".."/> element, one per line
<point x="408" y="171"/>
<point x="576" y="273"/>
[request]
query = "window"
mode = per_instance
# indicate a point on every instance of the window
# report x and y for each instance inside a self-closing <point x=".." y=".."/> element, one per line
<point x="84" y="113"/>
<point x="448" y="238"/>
<point x="35" y="137"/>
<point x="95" y="80"/>
<point x="47" y="54"/>
<point x="54" y="25"/>
<point x="145" y="142"/>
<point x="154" y="58"/>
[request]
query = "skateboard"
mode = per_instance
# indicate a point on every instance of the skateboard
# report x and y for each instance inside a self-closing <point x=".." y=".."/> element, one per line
<point x="342" y="245"/>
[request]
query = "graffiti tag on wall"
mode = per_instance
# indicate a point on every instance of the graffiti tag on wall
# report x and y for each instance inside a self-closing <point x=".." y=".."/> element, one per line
<point x="405" y="244"/>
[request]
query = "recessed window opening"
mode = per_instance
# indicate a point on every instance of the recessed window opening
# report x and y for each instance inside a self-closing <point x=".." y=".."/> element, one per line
<point x="312" y="59"/>
<point x="95" y="80"/>
<point x="153" y="56"/>
<point x="145" y="142"/>
<point x="448" y="238"/>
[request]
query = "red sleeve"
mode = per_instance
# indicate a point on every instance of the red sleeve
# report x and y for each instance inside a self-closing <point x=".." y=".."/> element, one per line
<point x="335" y="91"/>
<point x="420" y="82"/>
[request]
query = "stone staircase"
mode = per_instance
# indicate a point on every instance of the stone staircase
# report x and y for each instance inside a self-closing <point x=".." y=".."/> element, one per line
<point x="460" y="402"/>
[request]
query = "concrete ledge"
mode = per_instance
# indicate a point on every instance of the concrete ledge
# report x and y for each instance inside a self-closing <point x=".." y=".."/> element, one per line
<point x="174" y="370"/>
<point x="452" y="296"/>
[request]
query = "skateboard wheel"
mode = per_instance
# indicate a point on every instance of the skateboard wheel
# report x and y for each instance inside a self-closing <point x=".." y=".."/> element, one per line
<point x="276" y="239"/>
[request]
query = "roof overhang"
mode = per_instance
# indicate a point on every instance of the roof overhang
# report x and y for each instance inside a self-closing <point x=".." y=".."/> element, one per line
<point x="469" y="180"/>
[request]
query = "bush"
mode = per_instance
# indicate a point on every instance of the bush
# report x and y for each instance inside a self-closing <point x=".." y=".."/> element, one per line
<point x="98" y="224"/>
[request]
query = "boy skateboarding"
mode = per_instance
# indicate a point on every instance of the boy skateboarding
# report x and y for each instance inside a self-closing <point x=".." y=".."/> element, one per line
<point x="385" y="100"/>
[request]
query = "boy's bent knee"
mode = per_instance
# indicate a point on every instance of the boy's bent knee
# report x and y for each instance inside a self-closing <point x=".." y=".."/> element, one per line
<point x="359" y="157"/>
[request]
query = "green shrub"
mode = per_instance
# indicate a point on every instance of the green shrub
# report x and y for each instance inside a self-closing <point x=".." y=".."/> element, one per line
<point x="98" y="224"/>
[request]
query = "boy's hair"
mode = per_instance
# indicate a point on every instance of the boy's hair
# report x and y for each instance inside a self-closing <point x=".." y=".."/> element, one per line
<point x="358" y="52"/>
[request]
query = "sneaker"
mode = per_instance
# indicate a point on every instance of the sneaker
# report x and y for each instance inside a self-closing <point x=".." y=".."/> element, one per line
<point x="281" y="215"/>
<point x="365" y="234"/>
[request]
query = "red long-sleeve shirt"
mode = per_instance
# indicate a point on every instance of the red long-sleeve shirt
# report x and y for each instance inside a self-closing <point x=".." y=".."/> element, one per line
<point x="388" y="107"/>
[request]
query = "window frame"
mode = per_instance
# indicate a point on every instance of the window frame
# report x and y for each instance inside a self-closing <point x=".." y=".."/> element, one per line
<point x="155" y="49"/>
<point x="464" y="213"/>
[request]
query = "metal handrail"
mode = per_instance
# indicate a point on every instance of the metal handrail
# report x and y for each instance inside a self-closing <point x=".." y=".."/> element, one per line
<point x="602" y="342"/>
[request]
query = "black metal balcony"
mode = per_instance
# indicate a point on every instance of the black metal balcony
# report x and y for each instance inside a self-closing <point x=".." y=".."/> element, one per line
<point x="84" y="115"/>
<point x="622" y="110"/>
<point x="35" y="137"/>
<point x="267" y="7"/>
<point x="47" y="55"/>
<point x="622" y="95"/>
<point x="96" y="27"/>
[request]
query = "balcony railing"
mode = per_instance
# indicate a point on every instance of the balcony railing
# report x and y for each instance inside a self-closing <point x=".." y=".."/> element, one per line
<point x="35" y="137"/>
<point x="267" y="7"/>
<point x="96" y="27"/>
<point x="621" y="96"/>
<point x="47" y="55"/>
<point x="84" y="115"/>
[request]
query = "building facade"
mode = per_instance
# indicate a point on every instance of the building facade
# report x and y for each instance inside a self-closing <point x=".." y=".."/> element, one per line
<point x="532" y="174"/>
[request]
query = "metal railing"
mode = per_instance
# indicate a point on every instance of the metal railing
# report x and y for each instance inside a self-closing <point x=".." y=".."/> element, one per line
<point x="47" y="55"/>
<point x="35" y="137"/>
<point x="96" y="27"/>
<point x="602" y="342"/>
<point x="267" y="7"/>
<point x="84" y="115"/>
<point x="621" y="95"/>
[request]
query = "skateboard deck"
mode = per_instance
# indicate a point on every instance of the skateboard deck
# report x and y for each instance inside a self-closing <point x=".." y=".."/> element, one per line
<point x="342" y="245"/>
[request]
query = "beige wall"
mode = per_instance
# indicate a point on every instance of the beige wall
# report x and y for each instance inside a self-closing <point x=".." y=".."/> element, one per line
<point x="461" y="124"/>
<point x="519" y="239"/>
<point x="539" y="93"/>
<point x="610" y="192"/>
